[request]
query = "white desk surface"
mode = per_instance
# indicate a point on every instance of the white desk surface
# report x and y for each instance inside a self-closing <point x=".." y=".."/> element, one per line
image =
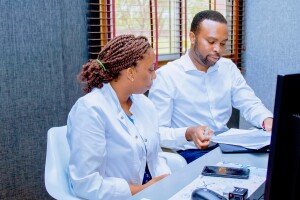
<point x="170" y="185"/>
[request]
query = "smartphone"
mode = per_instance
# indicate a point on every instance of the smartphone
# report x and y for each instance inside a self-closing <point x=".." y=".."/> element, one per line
<point x="227" y="172"/>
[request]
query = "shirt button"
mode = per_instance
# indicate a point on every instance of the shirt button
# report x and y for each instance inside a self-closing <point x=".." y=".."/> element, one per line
<point x="146" y="140"/>
<point x="122" y="117"/>
<point x="136" y="137"/>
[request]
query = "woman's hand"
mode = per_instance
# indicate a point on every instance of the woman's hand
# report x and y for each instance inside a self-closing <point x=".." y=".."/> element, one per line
<point x="137" y="188"/>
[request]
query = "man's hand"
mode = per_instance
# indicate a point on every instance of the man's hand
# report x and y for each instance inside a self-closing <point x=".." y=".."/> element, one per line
<point x="200" y="135"/>
<point x="268" y="123"/>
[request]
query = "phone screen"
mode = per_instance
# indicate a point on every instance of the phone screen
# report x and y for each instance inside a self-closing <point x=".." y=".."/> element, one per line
<point x="229" y="172"/>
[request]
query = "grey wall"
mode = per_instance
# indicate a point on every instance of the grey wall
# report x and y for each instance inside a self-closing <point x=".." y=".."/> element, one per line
<point x="42" y="47"/>
<point x="272" y="45"/>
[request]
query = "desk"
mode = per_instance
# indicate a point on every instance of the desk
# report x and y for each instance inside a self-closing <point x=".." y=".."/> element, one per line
<point x="170" y="185"/>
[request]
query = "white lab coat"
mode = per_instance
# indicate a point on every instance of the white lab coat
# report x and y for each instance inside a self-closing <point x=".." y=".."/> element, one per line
<point x="108" y="151"/>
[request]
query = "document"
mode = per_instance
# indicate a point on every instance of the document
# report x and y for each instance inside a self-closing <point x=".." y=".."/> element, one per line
<point x="251" y="139"/>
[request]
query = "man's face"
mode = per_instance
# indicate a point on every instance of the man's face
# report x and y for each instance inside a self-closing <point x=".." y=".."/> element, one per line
<point x="208" y="44"/>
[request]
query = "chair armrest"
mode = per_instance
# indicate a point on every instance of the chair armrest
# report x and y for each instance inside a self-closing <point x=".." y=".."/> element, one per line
<point x="174" y="160"/>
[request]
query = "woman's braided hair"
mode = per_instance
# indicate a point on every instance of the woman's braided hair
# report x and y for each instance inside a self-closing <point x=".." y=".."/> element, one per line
<point x="119" y="53"/>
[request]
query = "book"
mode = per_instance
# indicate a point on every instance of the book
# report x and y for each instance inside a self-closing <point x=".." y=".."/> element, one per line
<point x="229" y="148"/>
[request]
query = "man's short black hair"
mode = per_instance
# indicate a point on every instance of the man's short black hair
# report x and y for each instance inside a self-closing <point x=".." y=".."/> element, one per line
<point x="206" y="14"/>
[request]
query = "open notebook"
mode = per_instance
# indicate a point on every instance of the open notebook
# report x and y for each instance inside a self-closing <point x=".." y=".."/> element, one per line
<point x="243" y="141"/>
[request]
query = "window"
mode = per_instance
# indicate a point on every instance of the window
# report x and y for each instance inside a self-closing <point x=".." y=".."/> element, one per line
<point x="166" y="23"/>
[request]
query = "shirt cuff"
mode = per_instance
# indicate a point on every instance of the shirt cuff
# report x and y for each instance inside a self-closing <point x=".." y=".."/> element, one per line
<point x="179" y="133"/>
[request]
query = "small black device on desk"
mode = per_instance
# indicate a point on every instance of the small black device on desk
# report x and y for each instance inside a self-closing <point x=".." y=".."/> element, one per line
<point x="238" y="193"/>
<point x="206" y="194"/>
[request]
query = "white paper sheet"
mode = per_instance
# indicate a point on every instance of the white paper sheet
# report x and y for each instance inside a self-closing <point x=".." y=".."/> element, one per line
<point x="251" y="139"/>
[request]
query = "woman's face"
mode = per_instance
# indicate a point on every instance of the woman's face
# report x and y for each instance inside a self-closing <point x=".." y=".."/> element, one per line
<point x="144" y="73"/>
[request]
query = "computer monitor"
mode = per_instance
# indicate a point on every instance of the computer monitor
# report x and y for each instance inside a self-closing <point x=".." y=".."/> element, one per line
<point x="283" y="174"/>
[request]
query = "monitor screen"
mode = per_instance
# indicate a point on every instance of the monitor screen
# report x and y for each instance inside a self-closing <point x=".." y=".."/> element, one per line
<point x="283" y="175"/>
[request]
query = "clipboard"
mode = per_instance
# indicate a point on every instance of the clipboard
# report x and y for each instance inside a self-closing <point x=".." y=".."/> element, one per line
<point x="229" y="148"/>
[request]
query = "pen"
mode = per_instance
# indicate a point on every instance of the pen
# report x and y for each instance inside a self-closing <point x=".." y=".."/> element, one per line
<point x="206" y="131"/>
<point x="263" y="126"/>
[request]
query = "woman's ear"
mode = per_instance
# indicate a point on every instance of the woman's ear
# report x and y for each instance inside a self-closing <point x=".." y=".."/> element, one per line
<point x="130" y="73"/>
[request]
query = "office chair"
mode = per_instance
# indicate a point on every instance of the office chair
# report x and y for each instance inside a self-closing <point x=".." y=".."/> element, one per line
<point x="57" y="158"/>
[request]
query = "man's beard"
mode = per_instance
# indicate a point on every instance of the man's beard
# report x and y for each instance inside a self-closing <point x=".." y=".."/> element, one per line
<point x="199" y="57"/>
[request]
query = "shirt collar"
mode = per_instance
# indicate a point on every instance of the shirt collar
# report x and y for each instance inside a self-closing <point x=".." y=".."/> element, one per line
<point x="188" y="65"/>
<point x="108" y="89"/>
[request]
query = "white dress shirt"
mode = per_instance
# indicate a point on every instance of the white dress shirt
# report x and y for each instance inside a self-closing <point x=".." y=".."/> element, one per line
<point x="185" y="97"/>
<point x="108" y="151"/>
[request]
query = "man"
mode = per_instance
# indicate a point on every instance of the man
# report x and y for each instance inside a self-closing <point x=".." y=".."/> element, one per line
<point x="194" y="94"/>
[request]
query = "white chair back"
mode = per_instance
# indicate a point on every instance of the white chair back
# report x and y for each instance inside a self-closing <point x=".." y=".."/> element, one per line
<point x="57" y="159"/>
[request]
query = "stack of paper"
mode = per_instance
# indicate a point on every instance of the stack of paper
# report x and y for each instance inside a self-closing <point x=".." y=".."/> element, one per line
<point x="251" y="139"/>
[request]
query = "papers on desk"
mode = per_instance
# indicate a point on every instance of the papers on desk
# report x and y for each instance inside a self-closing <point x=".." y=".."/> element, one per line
<point x="251" y="139"/>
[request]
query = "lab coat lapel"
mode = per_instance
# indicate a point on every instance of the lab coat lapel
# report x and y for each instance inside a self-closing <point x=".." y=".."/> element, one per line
<point x="120" y="114"/>
<point x="131" y="129"/>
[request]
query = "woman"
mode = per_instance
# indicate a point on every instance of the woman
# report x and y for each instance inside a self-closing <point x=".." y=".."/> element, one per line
<point x="113" y="129"/>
